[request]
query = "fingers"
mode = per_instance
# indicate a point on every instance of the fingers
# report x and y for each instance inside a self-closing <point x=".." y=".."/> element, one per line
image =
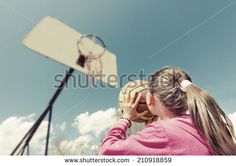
<point x="131" y="98"/>
<point x="147" y="122"/>
<point x="142" y="114"/>
<point x="128" y="97"/>
<point x="137" y="100"/>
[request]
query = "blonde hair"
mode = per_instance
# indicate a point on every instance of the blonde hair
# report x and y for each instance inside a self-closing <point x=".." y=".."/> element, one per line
<point x="209" y="119"/>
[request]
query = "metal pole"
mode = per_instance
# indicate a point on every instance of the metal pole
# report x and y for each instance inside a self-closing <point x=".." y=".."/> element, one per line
<point x="27" y="138"/>
<point x="28" y="150"/>
<point x="48" y="131"/>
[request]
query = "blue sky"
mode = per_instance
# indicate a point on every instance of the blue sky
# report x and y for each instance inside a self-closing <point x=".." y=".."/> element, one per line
<point x="196" y="35"/>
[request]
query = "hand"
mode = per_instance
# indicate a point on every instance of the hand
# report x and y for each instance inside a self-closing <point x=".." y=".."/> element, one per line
<point x="151" y="120"/>
<point x="129" y="108"/>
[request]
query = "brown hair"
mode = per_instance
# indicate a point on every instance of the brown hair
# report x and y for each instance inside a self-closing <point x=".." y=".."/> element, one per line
<point x="209" y="119"/>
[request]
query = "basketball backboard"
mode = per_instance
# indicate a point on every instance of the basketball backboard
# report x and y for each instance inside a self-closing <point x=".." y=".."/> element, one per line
<point x="57" y="41"/>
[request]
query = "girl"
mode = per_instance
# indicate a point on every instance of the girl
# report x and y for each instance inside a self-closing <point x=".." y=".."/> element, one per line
<point x="191" y="122"/>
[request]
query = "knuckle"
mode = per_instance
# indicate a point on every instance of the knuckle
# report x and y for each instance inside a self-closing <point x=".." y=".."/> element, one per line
<point x="127" y="105"/>
<point x="132" y="106"/>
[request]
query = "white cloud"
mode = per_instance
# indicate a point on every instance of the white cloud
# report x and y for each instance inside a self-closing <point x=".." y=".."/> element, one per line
<point x="91" y="128"/>
<point x="232" y="117"/>
<point x="14" y="128"/>
<point x="96" y="122"/>
<point x="62" y="126"/>
<point x="81" y="145"/>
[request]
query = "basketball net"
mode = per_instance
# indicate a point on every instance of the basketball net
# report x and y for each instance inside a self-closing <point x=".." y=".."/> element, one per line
<point x="91" y="60"/>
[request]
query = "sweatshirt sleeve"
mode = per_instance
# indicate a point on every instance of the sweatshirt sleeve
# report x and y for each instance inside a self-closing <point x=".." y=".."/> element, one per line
<point x="151" y="140"/>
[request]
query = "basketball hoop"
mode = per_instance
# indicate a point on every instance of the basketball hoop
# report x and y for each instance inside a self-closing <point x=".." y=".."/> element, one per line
<point x="50" y="38"/>
<point x="90" y="56"/>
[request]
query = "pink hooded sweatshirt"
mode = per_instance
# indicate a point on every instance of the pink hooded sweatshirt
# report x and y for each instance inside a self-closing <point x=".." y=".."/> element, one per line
<point x="176" y="136"/>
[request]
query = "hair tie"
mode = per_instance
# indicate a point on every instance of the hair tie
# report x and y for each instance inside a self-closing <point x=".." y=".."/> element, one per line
<point x="184" y="84"/>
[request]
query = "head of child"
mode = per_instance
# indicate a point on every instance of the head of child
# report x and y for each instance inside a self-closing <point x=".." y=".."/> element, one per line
<point x="167" y="98"/>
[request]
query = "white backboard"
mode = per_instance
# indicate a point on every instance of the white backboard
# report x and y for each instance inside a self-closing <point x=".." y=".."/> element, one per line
<point x="58" y="42"/>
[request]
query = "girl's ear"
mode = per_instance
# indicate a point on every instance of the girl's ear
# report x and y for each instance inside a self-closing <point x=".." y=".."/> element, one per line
<point x="151" y="103"/>
<point x="150" y="99"/>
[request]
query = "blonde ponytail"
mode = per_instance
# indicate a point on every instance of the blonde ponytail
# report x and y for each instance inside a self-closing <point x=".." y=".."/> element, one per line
<point x="211" y="121"/>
